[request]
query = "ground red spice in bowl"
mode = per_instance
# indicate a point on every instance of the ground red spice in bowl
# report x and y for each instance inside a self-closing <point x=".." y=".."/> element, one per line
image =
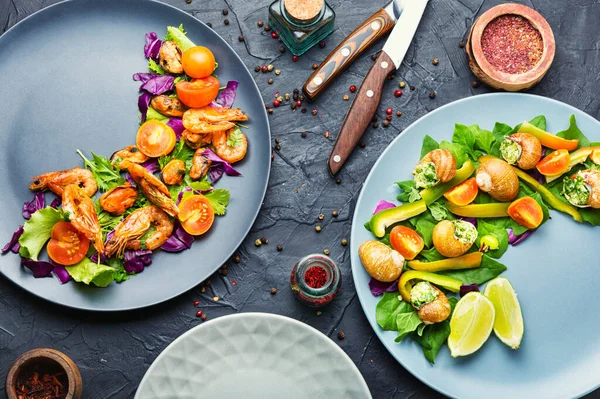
<point x="42" y="381"/>
<point x="511" y="44"/>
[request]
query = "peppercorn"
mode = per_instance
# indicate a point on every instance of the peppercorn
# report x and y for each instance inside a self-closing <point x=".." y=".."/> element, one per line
<point x="303" y="110"/>
<point x="226" y="22"/>
<point x="474" y="84"/>
<point x="318" y="229"/>
<point x="264" y="69"/>
<point x="341" y="335"/>
<point x="280" y="98"/>
<point x="397" y="93"/>
<point x="362" y="144"/>
<point x="276" y="103"/>
<point x="203" y="316"/>
<point x="389" y="118"/>
<point x="188" y="1"/>
<point x="257" y="68"/>
<point x="270" y="110"/>
<point x="264" y="240"/>
<point x="278" y="147"/>
<point x="260" y="24"/>
<point x="303" y="134"/>
<point x="435" y="61"/>
<point x="196" y="303"/>
<point x="461" y="44"/>
<point x="223" y="272"/>
<point x="315" y="112"/>
<point x="326" y="134"/>
<point x="277" y="72"/>
<point x="296" y="91"/>
<point x="338" y="181"/>
<point x="270" y="67"/>
<point x="391" y="76"/>
<point x="270" y="81"/>
<point x="282" y="49"/>
<point x="209" y="24"/>
<point x="346" y="98"/>
<point x="326" y="252"/>
<point x="321" y="216"/>
<point x="386" y="123"/>
<point x="241" y="38"/>
<point x="352" y="88"/>
<point x="402" y="84"/>
<point x="295" y="58"/>
<point x="258" y="242"/>
<point x="274" y="35"/>
<point x="273" y="291"/>
<point x="375" y="125"/>
<point x="237" y="259"/>
<point x="432" y="94"/>
<point x="389" y="111"/>
<point x="344" y="242"/>
<point x="374" y="57"/>
<point x="374" y="118"/>
<point x="319" y="313"/>
<point x="279" y="247"/>
<point x="287" y="96"/>
<point x="276" y="140"/>
<point x="298" y="103"/>
<point x="412" y="88"/>
<point x="225" y="11"/>
<point x="199" y="313"/>
<point x="293" y="106"/>
<point x="335" y="214"/>
<point x="399" y="113"/>
<point x="267" y="28"/>
<point x="322" y="44"/>
<point x="301" y="98"/>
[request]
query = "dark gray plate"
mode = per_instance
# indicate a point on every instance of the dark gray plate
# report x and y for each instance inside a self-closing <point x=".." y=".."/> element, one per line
<point x="65" y="83"/>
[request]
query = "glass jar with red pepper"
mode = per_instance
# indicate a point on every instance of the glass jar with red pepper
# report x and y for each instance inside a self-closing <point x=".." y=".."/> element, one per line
<point x="315" y="280"/>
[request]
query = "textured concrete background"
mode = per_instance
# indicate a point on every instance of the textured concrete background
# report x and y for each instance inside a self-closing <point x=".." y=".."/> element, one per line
<point x="114" y="351"/>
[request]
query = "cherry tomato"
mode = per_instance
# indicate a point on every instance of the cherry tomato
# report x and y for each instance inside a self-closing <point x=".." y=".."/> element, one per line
<point x="155" y="139"/>
<point x="198" y="62"/>
<point x="527" y="212"/>
<point x="199" y="92"/>
<point x="67" y="246"/>
<point x="554" y="164"/>
<point x="406" y="241"/>
<point x="464" y="193"/>
<point x="196" y="214"/>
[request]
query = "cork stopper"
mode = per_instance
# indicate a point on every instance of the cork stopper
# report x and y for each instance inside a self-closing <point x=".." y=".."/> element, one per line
<point x="303" y="10"/>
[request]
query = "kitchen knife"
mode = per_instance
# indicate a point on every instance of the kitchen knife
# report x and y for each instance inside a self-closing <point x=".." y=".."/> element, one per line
<point x="375" y="27"/>
<point x="368" y="96"/>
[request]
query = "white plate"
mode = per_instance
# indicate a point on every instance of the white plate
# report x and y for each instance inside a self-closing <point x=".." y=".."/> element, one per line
<point x="253" y="355"/>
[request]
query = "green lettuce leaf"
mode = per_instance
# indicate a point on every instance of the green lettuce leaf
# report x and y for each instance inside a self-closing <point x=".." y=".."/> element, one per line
<point x="429" y="144"/>
<point x="434" y="335"/>
<point x="37" y="230"/>
<point x="388" y="308"/>
<point x="407" y="321"/>
<point x="178" y="35"/>
<point x="88" y="272"/>
<point x="488" y="269"/>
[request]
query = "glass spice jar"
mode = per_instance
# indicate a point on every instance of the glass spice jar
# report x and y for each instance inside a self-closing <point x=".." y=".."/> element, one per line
<point x="315" y="280"/>
<point x="301" y="23"/>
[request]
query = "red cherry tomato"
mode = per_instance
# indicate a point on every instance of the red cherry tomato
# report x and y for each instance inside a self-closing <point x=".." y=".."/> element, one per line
<point x="199" y="92"/>
<point x="196" y="214"/>
<point x="406" y="241"/>
<point x="198" y="62"/>
<point x="67" y="246"/>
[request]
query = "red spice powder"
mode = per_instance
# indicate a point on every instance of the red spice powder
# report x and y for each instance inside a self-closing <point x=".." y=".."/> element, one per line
<point x="315" y="277"/>
<point x="511" y="44"/>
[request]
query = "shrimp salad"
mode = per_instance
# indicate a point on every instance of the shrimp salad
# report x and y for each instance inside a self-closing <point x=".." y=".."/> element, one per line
<point x="107" y="218"/>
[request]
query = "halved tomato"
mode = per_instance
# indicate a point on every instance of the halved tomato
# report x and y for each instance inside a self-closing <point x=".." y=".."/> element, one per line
<point x="67" y="246"/>
<point x="464" y="193"/>
<point x="155" y="139"/>
<point x="554" y="164"/>
<point x="198" y="62"/>
<point x="199" y="92"/>
<point x="196" y="214"/>
<point x="406" y="241"/>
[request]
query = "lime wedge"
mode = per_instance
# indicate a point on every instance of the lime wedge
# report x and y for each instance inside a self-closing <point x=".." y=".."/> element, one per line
<point x="471" y="324"/>
<point x="508" y="325"/>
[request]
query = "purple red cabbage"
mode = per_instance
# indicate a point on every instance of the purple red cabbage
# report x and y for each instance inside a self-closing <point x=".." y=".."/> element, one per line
<point x="465" y="289"/>
<point x="227" y="96"/>
<point x="13" y="245"/>
<point x="29" y="207"/>
<point x="151" y="165"/>
<point x="180" y="195"/>
<point x="152" y="46"/>
<point x="56" y="202"/>
<point x="180" y="240"/>
<point x="154" y="83"/>
<point x="109" y="237"/>
<point x="517" y="239"/>
<point x="383" y="204"/>
<point x="94" y="257"/>
<point x="379" y="287"/>
<point x="540" y="178"/>
<point x="38" y="267"/>
<point x="143" y="104"/>
<point x="130" y="180"/>
<point x="177" y="125"/>
<point x="473" y="221"/>
<point x="218" y="166"/>
<point x="61" y="273"/>
<point x="136" y="261"/>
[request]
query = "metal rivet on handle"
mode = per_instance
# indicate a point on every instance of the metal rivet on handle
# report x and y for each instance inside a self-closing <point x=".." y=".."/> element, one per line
<point x="370" y="93"/>
<point x="337" y="158"/>
<point x="317" y="81"/>
<point x="345" y="51"/>
<point x="384" y="64"/>
<point x="375" y="25"/>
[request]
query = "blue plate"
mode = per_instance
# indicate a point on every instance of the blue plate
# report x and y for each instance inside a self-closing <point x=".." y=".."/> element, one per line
<point x="555" y="272"/>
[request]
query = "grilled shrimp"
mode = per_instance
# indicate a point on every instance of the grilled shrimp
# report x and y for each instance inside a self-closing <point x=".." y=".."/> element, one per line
<point x="174" y="172"/>
<point x="130" y="230"/>
<point x="196" y="140"/>
<point x="82" y="214"/>
<point x="58" y="181"/>
<point x="200" y="165"/>
<point x="154" y="189"/>
<point x="169" y="106"/>
<point x="118" y="199"/>
<point x="229" y="153"/>
<point x="170" y="57"/>
<point x="130" y="153"/>
<point x="212" y="119"/>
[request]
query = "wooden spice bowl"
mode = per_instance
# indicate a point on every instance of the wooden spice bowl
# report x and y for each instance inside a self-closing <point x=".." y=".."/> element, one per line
<point x="496" y="78"/>
<point x="44" y="357"/>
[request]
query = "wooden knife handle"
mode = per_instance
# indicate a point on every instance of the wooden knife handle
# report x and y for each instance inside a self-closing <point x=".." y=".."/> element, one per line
<point x="362" y="37"/>
<point x="361" y="112"/>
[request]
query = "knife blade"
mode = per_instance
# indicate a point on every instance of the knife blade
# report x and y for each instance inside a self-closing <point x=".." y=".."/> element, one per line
<point x="372" y="29"/>
<point x="368" y="96"/>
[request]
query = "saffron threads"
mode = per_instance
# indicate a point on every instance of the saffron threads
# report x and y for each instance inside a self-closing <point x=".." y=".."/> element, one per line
<point x="315" y="277"/>
<point x="42" y="382"/>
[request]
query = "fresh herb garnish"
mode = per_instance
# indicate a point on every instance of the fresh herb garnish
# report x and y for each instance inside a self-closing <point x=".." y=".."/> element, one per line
<point x="219" y="199"/>
<point x="154" y="67"/>
<point x="106" y="175"/>
<point x="235" y="138"/>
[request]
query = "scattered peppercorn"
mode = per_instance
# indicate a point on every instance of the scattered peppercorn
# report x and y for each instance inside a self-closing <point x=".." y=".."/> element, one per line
<point x="301" y="98"/>
<point x="326" y="134"/>
<point x="362" y="144"/>
<point x="279" y="247"/>
<point x="287" y="96"/>
<point x="274" y="35"/>
<point x="341" y="335"/>
<point x="276" y="103"/>
<point x="374" y="57"/>
<point x="318" y="229"/>
<point x="303" y="110"/>
<point x="326" y="252"/>
<point x="273" y="291"/>
<point x="397" y="93"/>
<point x="352" y="88"/>
<point x="344" y="242"/>
<point x="203" y="317"/>
<point x="375" y="125"/>
<point x="260" y="24"/>
<point x="270" y="110"/>
<point x="279" y="98"/>
<point x="399" y="113"/>
<point x="335" y="214"/>
<point x="237" y="259"/>
<point x="264" y="69"/>
<point x="322" y="44"/>
<point x="295" y="58"/>
<point x="432" y="94"/>
<point x="199" y="313"/>
<point x="412" y="88"/>
<point x="282" y="49"/>
<point x="298" y="103"/>
<point x="270" y="67"/>
<point x="267" y="28"/>
<point x="278" y="147"/>
<point x="225" y="11"/>
<point x="277" y="72"/>
<point x="374" y="118"/>
<point x="474" y="84"/>
<point x="257" y="68"/>
<point x="226" y="22"/>
<point x="389" y="111"/>
<point x="319" y="313"/>
<point x="241" y="38"/>
<point x="321" y="216"/>
<point x="386" y="123"/>
<point x="389" y="118"/>
<point x="461" y="44"/>
<point x="293" y="106"/>
<point x="223" y="272"/>
<point x="276" y="140"/>
<point x="402" y="84"/>
<point x="435" y="61"/>
<point x="315" y="112"/>
<point x="209" y="24"/>
<point x="258" y="242"/>
<point x="338" y="181"/>
<point x="315" y="66"/>
<point x="303" y="134"/>
<point x="188" y="1"/>
<point x="346" y="98"/>
<point x="196" y="303"/>
<point x="264" y="240"/>
<point x="270" y="81"/>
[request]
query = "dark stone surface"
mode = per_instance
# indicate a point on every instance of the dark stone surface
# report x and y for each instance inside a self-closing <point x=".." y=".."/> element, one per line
<point x="114" y="351"/>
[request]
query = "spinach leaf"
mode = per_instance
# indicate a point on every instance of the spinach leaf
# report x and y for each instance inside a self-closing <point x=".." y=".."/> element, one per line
<point x="434" y="335"/>
<point x="539" y="122"/>
<point x="409" y="193"/>
<point x="429" y="144"/>
<point x="483" y="138"/>
<point x="573" y="132"/>
<point x="488" y="270"/>
<point x="484" y="228"/>
<point x="500" y="131"/>
<point x="439" y="211"/>
<point x="407" y="322"/>
<point x="431" y="255"/>
<point x="388" y="308"/>
<point x="464" y="136"/>
<point x="424" y="225"/>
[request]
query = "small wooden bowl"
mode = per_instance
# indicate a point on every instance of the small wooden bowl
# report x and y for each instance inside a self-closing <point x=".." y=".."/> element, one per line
<point x="491" y="76"/>
<point x="45" y="356"/>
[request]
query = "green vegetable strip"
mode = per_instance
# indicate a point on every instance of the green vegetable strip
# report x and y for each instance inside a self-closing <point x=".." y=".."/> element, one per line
<point x="383" y="219"/>
<point x="493" y="210"/>
<point x="430" y="195"/>
<point x="548" y="197"/>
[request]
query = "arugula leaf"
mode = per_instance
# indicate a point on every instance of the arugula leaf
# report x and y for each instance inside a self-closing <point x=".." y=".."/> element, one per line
<point x="573" y="132"/>
<point x="488" y="269"/>
<point x="107" y="221"/>
<point x="484" y="228"/>
<point x="429" y="144"/>
<point x="407" y="322"/>
<point x="37" y="230"/>
<point x="459" y="151"/>
<point x="388" y="308"/>
<point x="235" y="138"/>
<point x="433" y="336"/>
<point x="88" y="272"/>
<point x="409" y="193"/>
<point x="106" y="175"/>
<point x="219" y="199"/>
<point x="154" y="67"/>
